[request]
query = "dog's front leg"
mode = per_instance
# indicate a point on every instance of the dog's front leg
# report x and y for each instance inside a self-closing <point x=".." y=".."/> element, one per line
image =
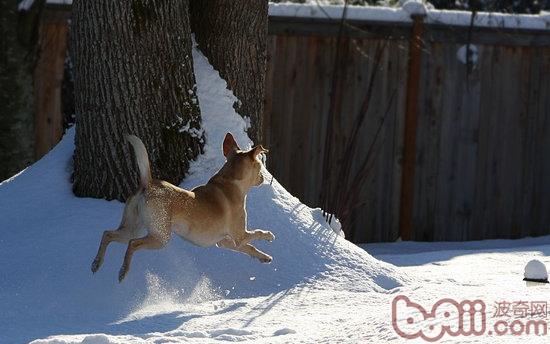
<point x="254" y="252"/>
<point x="258" y="234"/>
<point x="149" y="241"/>
<point x="245" y="248"/>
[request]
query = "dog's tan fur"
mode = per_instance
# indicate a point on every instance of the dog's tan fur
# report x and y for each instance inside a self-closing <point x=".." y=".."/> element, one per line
<point x="210" y="214"/>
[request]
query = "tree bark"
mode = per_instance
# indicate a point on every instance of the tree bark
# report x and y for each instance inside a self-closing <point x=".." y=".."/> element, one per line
<point x="17" y="57"/>
<point x="233" y="36"/>
<point x="133" y="74"/>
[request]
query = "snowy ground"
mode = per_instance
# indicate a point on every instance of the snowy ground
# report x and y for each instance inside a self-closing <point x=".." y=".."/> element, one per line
<point x="319" y="288"/>
<point x="490" y="271"/>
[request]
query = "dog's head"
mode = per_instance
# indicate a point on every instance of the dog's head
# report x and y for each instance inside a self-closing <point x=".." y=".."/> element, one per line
<point x="243" y="166"/>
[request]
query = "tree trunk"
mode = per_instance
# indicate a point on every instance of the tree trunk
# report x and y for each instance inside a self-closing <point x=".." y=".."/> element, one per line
<point x="233" y="36"/>
<point x="133" y="74"/>
<point x="16" y="89"/>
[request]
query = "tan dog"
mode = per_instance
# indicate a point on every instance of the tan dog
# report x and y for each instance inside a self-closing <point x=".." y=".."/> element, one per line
<point x="210" y="214"/>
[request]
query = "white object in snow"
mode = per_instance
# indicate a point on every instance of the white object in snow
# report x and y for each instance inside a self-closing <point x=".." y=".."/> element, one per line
<point x="461" y="54"/>
<point x="337" y="226"/>
<point x="535" y="270"/>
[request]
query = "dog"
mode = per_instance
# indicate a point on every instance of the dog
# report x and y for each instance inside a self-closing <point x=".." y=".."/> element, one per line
<point x="210" y="214"/>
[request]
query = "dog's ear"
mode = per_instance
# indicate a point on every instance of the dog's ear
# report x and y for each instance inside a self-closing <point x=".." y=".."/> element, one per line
<point x="258" y="150"/>
<point x="229" y="145"/>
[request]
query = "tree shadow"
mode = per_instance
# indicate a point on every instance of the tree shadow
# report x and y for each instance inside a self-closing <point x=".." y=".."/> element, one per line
<point x="263" y="307"/>
<point x="153" y="323"/>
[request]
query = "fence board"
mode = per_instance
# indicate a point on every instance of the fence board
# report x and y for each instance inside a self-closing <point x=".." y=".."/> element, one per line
<point x="48" y="77"/>
<point x="540" y="215"/>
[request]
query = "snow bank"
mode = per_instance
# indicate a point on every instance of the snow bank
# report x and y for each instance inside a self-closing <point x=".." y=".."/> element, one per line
<point x="403" y="15"/>
<point x="50" y="238"/>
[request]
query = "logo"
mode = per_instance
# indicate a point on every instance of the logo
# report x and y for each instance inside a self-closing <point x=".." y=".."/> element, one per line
<point x="449" y="317"/>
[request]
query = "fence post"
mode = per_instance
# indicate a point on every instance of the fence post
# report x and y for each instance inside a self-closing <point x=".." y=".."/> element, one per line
<point x="52" y="45"/>
<point x="411" y="118"/>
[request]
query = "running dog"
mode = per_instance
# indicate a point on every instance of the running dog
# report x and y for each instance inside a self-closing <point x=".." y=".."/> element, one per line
<point x="210" y="214"/>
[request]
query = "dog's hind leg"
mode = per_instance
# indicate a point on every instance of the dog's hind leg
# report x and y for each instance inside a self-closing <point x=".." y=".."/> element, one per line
<point x="127" y="230"/>
<point x="121" y="235"/>
<point x="149" y="242"/>
<point x="160" y="230"/>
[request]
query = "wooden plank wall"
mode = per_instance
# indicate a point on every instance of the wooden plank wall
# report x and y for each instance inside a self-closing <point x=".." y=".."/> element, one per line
<point x="483" y="148"/>
<point x="299" y="80"/>
<point x="483" y="139"/>
<point x="48" y="79"/>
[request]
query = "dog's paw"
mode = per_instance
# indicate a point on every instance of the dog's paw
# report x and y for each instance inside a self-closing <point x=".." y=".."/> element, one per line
<point x="270" y="236"/>
<point x="122" y="273"/>
<point x="96" y="264"/>
<point x="266" y="259"/>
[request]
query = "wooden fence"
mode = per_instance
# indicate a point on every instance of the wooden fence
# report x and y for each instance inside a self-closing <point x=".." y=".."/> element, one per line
<point x="481" y="157"/>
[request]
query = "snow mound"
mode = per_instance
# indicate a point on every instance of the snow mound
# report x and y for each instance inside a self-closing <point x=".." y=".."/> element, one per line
<point x="50" y="238"/>
<point x="535" y="270"/>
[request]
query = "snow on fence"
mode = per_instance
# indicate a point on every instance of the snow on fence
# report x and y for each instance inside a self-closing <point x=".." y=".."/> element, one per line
<point x="477" y="123"/>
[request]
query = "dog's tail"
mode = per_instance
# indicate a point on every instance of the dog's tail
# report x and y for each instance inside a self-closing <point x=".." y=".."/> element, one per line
<point x="142" y="160"/>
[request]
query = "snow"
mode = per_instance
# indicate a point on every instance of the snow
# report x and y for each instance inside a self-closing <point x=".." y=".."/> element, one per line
<point x="461" y="54"/>
<point x="60" y="2"/>
<point x="414" y="8"/>
<point x="535" y="270"/>
<point x="333" y="221"/>
<point x="182" y="292"/>
<point x="410" y="7"/>
<point x="25" y="5"/>
<point x="368" y="13"/>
